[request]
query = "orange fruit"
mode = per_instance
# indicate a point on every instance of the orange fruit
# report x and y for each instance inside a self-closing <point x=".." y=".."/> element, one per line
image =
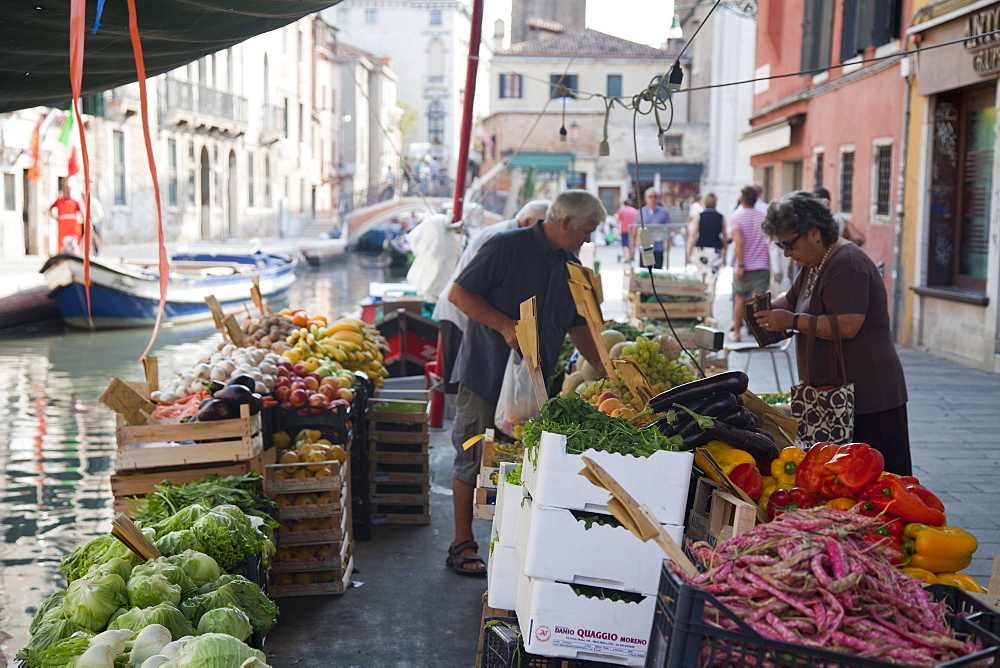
<point x="609" y="405"/>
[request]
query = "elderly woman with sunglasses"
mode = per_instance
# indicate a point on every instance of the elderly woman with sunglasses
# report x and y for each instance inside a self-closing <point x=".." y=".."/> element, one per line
<point x="839" y="281"/>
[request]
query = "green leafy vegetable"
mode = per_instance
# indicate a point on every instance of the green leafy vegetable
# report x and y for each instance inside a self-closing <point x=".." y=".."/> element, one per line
<point x="591" y="519"/>
<point x="173" y="572"/>
<point x="117" y="565"/>
<point x="90" y="602"/>
<point x="164" y="614"/>
<point x="630" y="332"/>
<point x="56" y="654"/>
<point x="145" y="591"/>
<point x="47" y="635"/>
<point x="607" y="594"/>
<point x="226" y="620"/>
<point x="198" y="566"/>
<point x="176" y="542"/>
<point x="228" y="536"/>
<point x="243" y="491"/>
<point x="49" y="611"/>
<point x="589" y="429"/>
<point x="179" y="521"/>
<point x="513" y="476"/>
<point x="219" y="649"/>
<point x="98" y="551"/>
<point x="233" y="591"/>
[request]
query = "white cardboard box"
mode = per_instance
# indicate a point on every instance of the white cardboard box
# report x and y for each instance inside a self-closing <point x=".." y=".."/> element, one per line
<point x="659" y="481"/>
<point x="553" y="545"/>
<point x="502" y="573"/>
<point x="507" y="508"/>
<point x="556" y="622"/>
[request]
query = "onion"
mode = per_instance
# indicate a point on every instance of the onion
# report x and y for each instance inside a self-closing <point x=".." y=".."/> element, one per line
<point x="260" y="388"/>
<point x="201" y="370"/>
<point x="219" y="373"/>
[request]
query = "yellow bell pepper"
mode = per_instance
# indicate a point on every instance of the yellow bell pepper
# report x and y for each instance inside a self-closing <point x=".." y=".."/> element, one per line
<point x="962" y="581"/>
<point x="769" y="489"/>
<point x="942" y="549"/>
<point x="784" y="467"/>
<point x="844" y="503"/>
<point x="726" y="455"/>
<point x="921" y="574"/>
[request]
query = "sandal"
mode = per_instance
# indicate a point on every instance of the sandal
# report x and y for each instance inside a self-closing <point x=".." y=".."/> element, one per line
<point x="456" y="561"/>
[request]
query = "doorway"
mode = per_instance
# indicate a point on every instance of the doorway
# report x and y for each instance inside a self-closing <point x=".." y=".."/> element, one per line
<point x="206" y="195"/>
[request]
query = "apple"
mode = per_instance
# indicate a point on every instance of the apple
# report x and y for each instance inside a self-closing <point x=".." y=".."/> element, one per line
<point x="283" y="363"/>
<point x="314" y="374"/>
<point x="284" y="371"/>
<point x="329" y="392"/>
<point x="281" y="392"/>
<point x="282" y="381"/>
<point x="328" y="380"/>
<point x="345" y="394"/>
<point x="300" y="370"/>
<point x="311" y="383"/>
<point x="298" y="398"/>
<point x="317" y="400"/>
<point x="286" y="406"/>
<point x="298" y="384"/>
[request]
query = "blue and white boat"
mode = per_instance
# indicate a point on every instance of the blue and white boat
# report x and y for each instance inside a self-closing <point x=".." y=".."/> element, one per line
<point x="127" y="293"/>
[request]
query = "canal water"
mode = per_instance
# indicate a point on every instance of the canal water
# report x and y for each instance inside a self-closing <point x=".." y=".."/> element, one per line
<point x="57" y="442"/>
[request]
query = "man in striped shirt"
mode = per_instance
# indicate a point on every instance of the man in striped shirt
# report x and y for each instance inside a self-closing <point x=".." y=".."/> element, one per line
<point x="752" y="269"/>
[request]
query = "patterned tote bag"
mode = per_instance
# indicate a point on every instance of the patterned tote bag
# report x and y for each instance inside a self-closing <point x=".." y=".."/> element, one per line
<point x="824" y="408"/>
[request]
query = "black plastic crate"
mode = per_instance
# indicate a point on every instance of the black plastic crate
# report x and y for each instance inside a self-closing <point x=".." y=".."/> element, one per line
<point x="679" y="637"/>
<point x="331" y="422"/>
<point x="502" y="647"/>
<point x="970" y="607"/>
<point x="361" y="523"/>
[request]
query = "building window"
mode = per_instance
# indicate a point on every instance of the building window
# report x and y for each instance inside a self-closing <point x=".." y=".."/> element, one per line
<point x="847" y="182"/>
<point x="673" y="146"/>
<point x="251" y="181"/>
<point x="302" y="123"/>
<point x="961" y="187"/>
<point x="9" y="200"/>
<point x="436" y="17"/>
<point x="818" y="169"/>
<point x="267" y="181"/>
<point x="172" y="184"/>
<point x="767" y="182"/>
<point x="869" y="23"/>
<point x="435" y="122"/>
<point x="614" y="87"/>
<point x="343" y="14"/>
<point x="371" y="16"/>
<point x="817" y="34"/>
<point x="510" y="86"/>
<point x="883" y="179"/>
<point x="118" y="152"/>
<point x="191" y="175"/>
<point x="562" y="85"/>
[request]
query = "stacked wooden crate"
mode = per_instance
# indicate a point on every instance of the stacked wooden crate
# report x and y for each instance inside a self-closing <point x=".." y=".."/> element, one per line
<point x="399" y="460"/>
<point x="149" y="454"/>
<point x="682" y="297"/>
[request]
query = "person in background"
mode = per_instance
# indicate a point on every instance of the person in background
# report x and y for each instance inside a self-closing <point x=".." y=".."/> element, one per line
<point x="845" y="228"/>
<point x="695" y="209"/>
<point x="625" y="215"/>
<point x="69" y="218"/>
<point x="839" y="281"/>
<point x="509" y="269"/>
<point x="751" y="262"/>
<point x="707" y="242"/>
<point x="653" y="213"/>
<point x="453" y="322"/>
<point x="436" y="246"/>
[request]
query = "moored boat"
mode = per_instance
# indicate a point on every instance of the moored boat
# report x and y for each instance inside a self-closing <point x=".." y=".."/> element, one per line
<point x="126" y="293"/>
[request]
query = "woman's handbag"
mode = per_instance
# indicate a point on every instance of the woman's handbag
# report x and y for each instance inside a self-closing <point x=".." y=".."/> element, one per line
<point x="824" y="408"/>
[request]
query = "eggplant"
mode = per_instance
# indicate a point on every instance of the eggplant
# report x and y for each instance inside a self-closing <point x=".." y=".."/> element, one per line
<point x="735" y="382"/>
<point x="234" y="395"/>
<point x="204" y="402"/>
<point x="256" y="403"/>
<point x="712" y="406"/>
<point x="742" y="418"/>
<point x="213" y="386"/>
<point x="763" y="449"/>
<point x="215" y="409"/>
<point x="243" y="379"/>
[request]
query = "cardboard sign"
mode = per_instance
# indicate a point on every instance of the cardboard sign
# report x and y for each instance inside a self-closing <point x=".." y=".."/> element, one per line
<point x="152" y="369"/>
<point x="232" y="328"/>
<point x="633" y="377"/>
<point x="527" y="338"/>
<point x="585" y="295"/>
<point x="218" y="315"/>
<point x="122" y="398"/>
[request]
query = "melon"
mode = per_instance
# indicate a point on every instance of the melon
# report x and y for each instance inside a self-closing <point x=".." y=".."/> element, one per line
<point x="618" y="349"/>
<point x="589" y="371"/>
<point x="572" y="381"/>
<point x="611" y="337"/>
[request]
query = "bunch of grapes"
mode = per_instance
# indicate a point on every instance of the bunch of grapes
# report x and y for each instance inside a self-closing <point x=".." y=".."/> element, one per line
<point x="656" y="365"/>
<point x="598" y="387"/>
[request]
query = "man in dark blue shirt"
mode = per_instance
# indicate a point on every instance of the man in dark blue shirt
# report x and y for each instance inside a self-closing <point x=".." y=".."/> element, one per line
<point x="653" y="214"/>
<point x="509" y="269"/>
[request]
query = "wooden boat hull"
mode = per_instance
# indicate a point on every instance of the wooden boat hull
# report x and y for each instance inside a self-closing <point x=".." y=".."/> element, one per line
<point x="125" y="295"/>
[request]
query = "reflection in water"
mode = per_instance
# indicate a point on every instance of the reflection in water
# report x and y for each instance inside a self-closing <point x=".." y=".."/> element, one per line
<point x="57" y="441"/>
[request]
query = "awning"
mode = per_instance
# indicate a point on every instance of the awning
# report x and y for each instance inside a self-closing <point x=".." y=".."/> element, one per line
<point x="543" y="162"/>
<point x="677" y="172"/>
<point x="769" y="137"/>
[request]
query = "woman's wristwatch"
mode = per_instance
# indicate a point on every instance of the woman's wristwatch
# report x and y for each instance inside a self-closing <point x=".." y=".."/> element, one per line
<point x="795" y="322"/>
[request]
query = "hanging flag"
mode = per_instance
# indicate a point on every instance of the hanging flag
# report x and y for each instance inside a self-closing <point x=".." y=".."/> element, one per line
<point x="35" y="151"/>
<point x="67" y="128"/>
<point x="73" y="167"/>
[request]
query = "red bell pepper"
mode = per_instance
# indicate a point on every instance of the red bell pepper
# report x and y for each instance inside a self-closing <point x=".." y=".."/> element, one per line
<point x="833" y="470"/>
<point x="892" y="543"/>
<point x="904" y="497"/>
<point x="748" y="478"/>
<point x="784" y="500"/>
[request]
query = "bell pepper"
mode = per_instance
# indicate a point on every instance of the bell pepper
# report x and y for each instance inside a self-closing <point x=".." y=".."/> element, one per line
<point x="726" y="455"/>
<point x="905" y="498"/>
<point x="960" y="580"/>
<point x="921" y="574"/>
<point x="833" y="470"/>
<point x="748" y="478"/>
<point x="783" y="468"/>
<point x="785" y="500"/>
<point x="939" y="549"/>
<point x="769" y="489"/>
<point x="894" y="549"/>
<point x="841" y="503"/>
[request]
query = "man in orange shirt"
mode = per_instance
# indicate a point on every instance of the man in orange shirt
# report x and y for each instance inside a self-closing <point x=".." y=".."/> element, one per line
<point x="69" y="216"/>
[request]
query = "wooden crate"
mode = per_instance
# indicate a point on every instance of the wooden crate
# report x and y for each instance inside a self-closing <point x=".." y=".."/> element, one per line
<point x="387" y="513"/>
<point x="716" y="515"/>
<point x="400" y="472"/>
<point x="664" y="286"/>
<point x="401" y="493"/>
<point x="380" y="411"/>
<point x="635" y="307"/>
<point x="390" y="436"/>
<point x="149" y="446"/>
<point x="317" y="589"/>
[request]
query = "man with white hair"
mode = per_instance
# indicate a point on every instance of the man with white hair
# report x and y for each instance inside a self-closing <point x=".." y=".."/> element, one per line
<point x="510" y="268"/>
<point x="452" y="321"/>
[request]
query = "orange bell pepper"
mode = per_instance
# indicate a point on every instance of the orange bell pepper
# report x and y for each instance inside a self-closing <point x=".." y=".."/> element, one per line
<point x="921" y="574"/>
<point x="841" y="503"/>
<point x="962" y="581"/>
<point x="784" y="467"/>
<point x="939" y="549"/>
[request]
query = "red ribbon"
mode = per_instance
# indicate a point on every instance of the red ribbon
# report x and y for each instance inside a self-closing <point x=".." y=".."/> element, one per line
<point x="77" y="29"/>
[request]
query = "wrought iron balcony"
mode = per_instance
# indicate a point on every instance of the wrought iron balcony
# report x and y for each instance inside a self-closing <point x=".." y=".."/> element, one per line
<point x="273" y="123"/>
<point x="201" y="106"/>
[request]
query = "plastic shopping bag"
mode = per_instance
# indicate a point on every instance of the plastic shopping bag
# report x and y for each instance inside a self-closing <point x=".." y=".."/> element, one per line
<point x="517" y="396"/>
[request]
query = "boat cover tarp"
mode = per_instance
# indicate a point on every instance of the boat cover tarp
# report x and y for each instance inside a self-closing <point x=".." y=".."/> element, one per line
<point x="34" y="40"/>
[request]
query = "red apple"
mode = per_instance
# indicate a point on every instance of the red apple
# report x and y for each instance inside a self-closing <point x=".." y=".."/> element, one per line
<point x="339" y="402"/>
<point x="286" y="405"/>
<point x="311" y="383"/>
<point x="281" y="392"/>
<point x="282" y="381"/>
<point x="317" y="400"/>
<point x="329" y="392"/>
<point x="283" y="372"/>
<point x="345" y="395"/>
<point x="298" y="398"/>
<point x="298" y="384"/>
<point x="328" y="380"/>
<point x="313" y="374"/>
<point x="284" y="364"/>
<point x="300" y="370"/>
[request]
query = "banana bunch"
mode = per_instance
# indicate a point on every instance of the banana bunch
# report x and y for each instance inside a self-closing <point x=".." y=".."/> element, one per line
<point x="349" y="343"/>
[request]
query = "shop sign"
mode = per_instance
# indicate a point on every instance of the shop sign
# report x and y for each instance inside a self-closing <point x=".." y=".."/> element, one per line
<point x="984" y="46"/>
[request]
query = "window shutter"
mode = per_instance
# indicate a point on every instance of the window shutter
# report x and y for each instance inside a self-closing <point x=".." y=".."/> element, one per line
<point x="849" y="31"/>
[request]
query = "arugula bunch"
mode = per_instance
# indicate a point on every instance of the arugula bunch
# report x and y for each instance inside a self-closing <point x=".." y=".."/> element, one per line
<point x="588" y="429"/>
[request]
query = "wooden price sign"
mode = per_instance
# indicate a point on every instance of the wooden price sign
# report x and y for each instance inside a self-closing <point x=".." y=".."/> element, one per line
<point x="122" y="398"/>
<point x="633" y="377"/>
<point x="586" y="296"/>
<point x="128" y="533"/>
<point x="151" y="367"/>
<point x="218" y="315"/>
<point x="257" y="299"/>
<point x="527" y="338"/>
<point x="234" y="331"/>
